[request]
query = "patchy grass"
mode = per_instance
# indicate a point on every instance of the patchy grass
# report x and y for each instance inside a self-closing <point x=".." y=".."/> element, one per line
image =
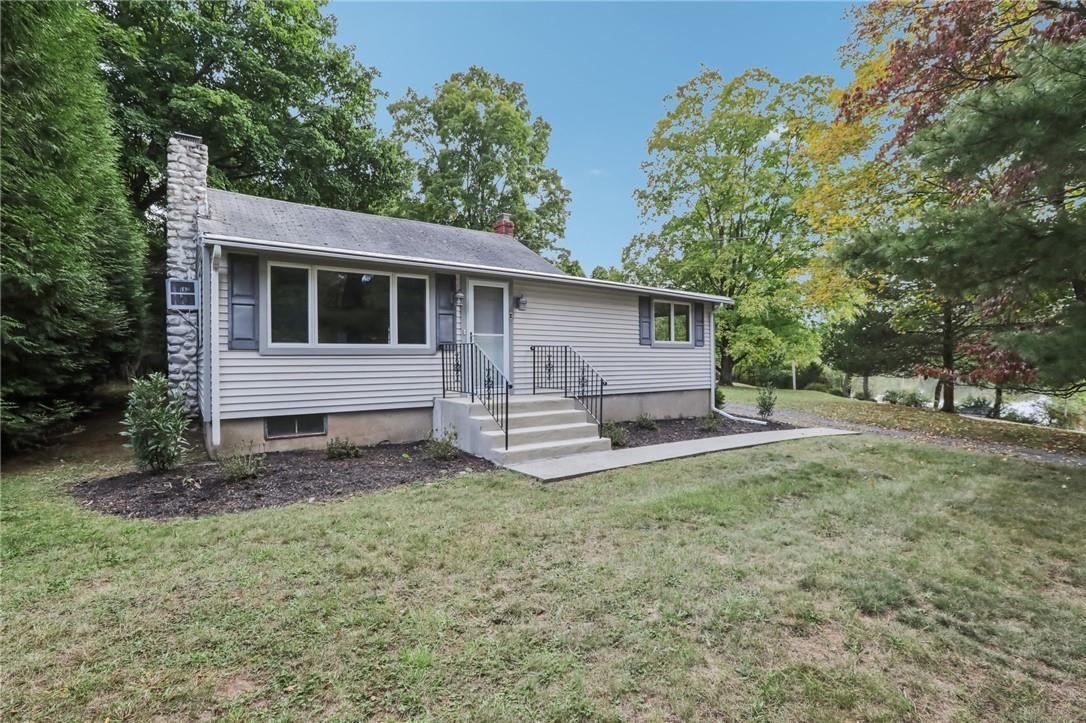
<point x="844" y="578"/>
<point x="925" y="422"/>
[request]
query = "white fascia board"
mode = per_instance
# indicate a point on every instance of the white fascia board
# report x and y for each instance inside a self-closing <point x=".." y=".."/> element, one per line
<point x="241" y="242"/>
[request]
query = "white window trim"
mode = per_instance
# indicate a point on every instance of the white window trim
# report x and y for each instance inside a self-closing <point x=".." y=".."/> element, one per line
<point x="312" y="327"/>
<point x="671" y="323"/>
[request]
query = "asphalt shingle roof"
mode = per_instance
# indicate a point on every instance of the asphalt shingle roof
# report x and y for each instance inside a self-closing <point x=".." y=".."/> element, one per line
<point x="237" y="214"/>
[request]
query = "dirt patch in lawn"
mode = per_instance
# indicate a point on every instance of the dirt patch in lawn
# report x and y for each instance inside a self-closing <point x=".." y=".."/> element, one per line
<point x="195" y="490"/>
<point x="678" y="430"/>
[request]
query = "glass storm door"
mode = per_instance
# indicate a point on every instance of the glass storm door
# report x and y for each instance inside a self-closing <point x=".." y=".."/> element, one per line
<point x="488" y="320"/>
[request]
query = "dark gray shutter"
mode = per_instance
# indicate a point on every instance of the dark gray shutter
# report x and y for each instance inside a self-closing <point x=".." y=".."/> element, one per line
<point x="699" y="324"/>
<point x="644" y="320"/>
<point x="446" y="308"/>
<point x="243" y="302"/>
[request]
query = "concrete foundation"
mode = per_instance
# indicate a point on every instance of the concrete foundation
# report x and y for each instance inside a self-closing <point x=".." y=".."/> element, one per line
<point x="411" y="425"/>
<point x="658" y="405"/>
<point x="392" y="425"/>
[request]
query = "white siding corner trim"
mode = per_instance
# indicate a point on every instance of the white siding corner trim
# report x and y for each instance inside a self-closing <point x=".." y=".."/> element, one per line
<point x="213" y="325"/>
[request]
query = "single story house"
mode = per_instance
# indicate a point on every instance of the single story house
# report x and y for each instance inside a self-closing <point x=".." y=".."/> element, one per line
<point x="289" y="324"/>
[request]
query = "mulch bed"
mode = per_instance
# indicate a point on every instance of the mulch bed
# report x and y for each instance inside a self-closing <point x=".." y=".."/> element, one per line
<point x="195" y="490"/>
<point x="678" y="430"/>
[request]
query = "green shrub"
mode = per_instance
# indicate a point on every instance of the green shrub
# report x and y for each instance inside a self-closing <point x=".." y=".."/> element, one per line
<point x="442" y="446"/>
<point x="912" y="399"/>
<point x="619" y="435"/>
<point x="242" y="465"/>
<point x="646" y="422"/>
<point x="719" y="398"/>
<point x="767" y="400"/>
<point x="1067" y="413"/>
<point x="891" y="396"/>
<point x="1010" y="415"/>
<point x="710" y="423"/>
<point x="818" y="387"/>
<point x="864" y="397"/>
<point x="980" y="405"/>
<point x="155" y="423"/>
<point x="340" y="448"/>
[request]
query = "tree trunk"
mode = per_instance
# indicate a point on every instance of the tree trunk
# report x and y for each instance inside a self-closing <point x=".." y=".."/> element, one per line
<point x="867" y="389"/>
<point x="938" y="393"/>
<point x="997" y="405"/>
<point x="727" y="365"/>
<point x="846" y="385"/>
<point x="948" y="396"/>
<point x="948" y="357"/>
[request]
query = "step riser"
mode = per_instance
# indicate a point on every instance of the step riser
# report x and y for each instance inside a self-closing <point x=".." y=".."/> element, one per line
<point x="542" y="419"/>
<point x="540" y="404"/>
<point x="532" y="435"/>
<point x="558" y="450"/>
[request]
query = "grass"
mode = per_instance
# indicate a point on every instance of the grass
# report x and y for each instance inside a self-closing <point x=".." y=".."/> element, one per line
<point x="846" y="578"/>
<point x="925" y="422"/>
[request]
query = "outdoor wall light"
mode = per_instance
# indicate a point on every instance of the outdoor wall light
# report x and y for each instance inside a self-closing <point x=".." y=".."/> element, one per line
<point x="458" y="298"/>
<point x="522" y="303"/>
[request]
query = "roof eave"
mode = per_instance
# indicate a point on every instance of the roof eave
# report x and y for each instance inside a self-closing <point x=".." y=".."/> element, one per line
<point x="278" y="246"/>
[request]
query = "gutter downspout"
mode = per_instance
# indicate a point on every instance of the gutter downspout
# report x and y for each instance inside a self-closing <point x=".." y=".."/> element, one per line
<point x="213" y="371"/>
<point x="712" y="377"/>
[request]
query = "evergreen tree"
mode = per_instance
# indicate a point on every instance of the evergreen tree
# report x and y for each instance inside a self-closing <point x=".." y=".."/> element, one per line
<point x="868" y="345"/>
<point x="71" y="248"/>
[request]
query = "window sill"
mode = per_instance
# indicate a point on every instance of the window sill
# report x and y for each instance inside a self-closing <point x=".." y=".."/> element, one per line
<point x="350" y="350"/>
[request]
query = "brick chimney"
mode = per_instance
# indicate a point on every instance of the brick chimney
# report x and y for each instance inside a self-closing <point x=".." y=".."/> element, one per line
<point x="505" y="226"/>
<point x="186" y="198"/>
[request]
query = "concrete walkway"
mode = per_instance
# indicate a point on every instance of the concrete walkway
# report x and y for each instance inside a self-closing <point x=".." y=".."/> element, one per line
<point x="576" y="465"/>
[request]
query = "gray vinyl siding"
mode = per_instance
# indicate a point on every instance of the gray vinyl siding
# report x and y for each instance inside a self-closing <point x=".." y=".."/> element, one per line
<point x="603" y="326"/>
<point x="252" y="385"/>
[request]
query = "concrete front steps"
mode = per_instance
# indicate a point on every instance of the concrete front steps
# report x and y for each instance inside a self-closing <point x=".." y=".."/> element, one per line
<point x="540" y="427"/>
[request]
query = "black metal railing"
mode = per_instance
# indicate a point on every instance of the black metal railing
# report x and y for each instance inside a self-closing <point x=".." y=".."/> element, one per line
<point x="466" y="369"/>
<point x="562" y="368"/>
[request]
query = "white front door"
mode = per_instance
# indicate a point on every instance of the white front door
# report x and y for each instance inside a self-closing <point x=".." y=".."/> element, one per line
<point x="488" y="320"/>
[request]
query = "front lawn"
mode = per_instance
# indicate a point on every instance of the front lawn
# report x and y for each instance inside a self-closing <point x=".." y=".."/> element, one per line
<point x="828" y="579"/>
<point x="920" y="421"/>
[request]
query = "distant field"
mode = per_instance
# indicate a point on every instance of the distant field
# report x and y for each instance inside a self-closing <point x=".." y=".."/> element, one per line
<point x="921" y="421"/>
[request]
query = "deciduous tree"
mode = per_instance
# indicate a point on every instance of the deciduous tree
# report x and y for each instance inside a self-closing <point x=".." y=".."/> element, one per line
<point x="285" y="112"/>
<point x="913" y="59"/>
<point x="480" y="152"/>
<point x="726" y="165"/>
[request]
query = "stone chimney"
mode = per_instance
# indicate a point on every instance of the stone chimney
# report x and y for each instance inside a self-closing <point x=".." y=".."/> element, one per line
<point x="186" y="198"/>
<point x="505" y="226"/>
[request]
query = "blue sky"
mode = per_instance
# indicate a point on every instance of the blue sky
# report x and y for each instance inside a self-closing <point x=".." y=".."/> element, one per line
<point x="597" y="72"/>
